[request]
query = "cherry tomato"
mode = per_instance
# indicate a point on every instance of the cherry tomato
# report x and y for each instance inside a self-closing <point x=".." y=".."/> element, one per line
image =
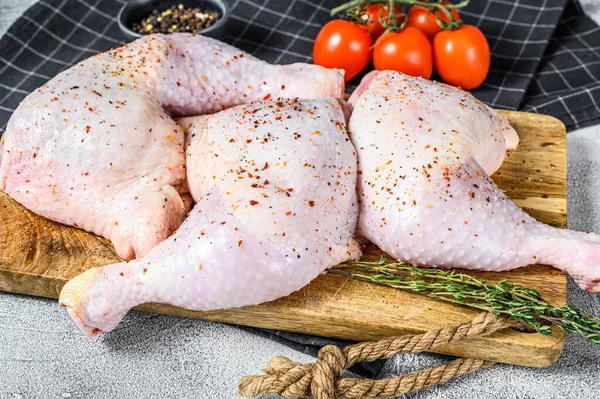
<point x="408" y="51"/>
<point x="424" y="18"/>
<point x="344" y="45"/>
<point x="462" y="56"/>
<point x="373" y="20"/>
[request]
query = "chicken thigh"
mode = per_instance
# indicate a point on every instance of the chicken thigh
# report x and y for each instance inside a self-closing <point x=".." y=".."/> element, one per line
<point x="275" y="184"/>
<point x="425" y="151"/>
<point x="96" y="147"/>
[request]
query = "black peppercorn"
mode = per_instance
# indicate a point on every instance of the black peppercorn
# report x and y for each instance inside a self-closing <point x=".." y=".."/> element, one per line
<point x="176" y="19"/>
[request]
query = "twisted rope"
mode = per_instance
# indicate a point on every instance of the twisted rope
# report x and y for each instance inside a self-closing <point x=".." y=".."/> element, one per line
<point x="321" y="380"/>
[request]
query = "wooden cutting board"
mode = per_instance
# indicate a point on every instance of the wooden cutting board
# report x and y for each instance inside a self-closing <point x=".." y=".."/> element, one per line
<point x="37" y="257"/>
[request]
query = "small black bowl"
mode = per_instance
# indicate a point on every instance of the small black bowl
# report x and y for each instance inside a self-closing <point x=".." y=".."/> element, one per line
<point x="136" y="10"/>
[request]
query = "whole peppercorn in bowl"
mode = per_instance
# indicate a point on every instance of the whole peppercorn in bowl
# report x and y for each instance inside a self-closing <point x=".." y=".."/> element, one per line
<point x="144" y="17"/>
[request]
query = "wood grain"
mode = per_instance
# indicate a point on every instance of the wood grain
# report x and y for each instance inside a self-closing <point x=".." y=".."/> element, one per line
<point x="38" y="256"/>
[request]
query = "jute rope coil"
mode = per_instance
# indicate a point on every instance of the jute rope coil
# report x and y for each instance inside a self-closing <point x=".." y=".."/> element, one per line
<point x="321" y="380"/>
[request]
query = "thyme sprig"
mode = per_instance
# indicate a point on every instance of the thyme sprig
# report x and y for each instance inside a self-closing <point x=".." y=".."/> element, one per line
<point x="524" y="305"/>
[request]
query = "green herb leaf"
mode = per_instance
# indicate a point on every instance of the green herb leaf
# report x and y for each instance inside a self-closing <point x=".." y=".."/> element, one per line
<point x="524" y="305"/>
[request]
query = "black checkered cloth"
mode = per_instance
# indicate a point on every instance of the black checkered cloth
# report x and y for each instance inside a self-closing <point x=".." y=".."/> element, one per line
<point x="545" y="58"/>
<point x="545" y="53"/>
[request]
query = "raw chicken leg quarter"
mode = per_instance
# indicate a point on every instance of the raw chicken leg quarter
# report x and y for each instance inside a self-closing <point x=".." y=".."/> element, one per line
<point x="96" y="148"/>
<point x="276" y="189"/>
<point x="425" y="151"/>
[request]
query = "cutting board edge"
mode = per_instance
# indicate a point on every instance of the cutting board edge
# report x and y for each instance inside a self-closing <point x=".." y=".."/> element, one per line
<point x="539" y="352"/>
<point x="534" y="351"/>
<point x="548" y="118"/>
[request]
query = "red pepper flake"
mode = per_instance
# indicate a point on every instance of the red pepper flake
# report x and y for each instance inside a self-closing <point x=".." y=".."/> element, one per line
<point x="232" y="141"/>
<point x="145" y="270"/>
<point x="35" y="155"/>
<point x="253" y="202"/>
<point x="266" y="166"/>
<point x="268" y="96"/>
<point x="248" y="141"/>
<point x="88" y="128"/>
<point x="317" y="132"/>
<point x="240" y="243"/>
<point x="288" y="213"/>
<point x="121" y="274"/>
<point x="116" y="223"/>
<point x="472" y="195"/>
<point x="311" y="203"/>
<point x="282" y="87"/>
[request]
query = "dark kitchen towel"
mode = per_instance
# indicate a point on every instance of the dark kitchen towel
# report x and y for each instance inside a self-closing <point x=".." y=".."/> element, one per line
<point x="545" y="58"/>
<point x="545" y="53"/>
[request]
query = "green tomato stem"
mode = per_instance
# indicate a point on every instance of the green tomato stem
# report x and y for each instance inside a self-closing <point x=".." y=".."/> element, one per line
<point x="355" y="8"/>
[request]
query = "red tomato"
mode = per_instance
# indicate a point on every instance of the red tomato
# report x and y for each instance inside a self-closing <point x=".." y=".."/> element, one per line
<point x="408" y="51"/>
<point x="424" y="18"/>
<point x="373" y="20"/>
<point x="462" y="56"/>
<point x="344" y="45"/>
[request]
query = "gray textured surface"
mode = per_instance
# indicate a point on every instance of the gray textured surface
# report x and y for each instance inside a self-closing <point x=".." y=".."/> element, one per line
<point x="43" y="355"/>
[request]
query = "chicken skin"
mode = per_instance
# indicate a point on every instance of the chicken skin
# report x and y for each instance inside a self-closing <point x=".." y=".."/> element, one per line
<point x="425" y="153"/>
<point x="275" y="185"/>
<point x="96" y="147"/>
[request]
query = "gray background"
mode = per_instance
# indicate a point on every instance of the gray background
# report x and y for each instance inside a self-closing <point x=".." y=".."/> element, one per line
<point x="43" y="355"/>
